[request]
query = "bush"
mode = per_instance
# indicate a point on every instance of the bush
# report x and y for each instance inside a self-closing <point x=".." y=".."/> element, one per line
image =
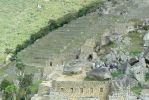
<point x="136" y="89"/>
<point x="136" y="42"/>
<point x="146" y="27"/>
<point x="90" y="78"/>
<point x="147" y="77"/>
<point x="34" y="87"/>
<point x="117" y="73"/>
<point x="5" y="83"/>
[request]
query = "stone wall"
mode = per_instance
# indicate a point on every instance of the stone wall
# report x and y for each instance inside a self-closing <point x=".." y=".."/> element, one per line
<point x="81" y="89"/>
<point x="117" y="96"/>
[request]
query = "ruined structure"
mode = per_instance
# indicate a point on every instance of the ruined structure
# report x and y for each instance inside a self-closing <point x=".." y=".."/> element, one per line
<point x="83" y="89"/>
<point x="87" y="50"/>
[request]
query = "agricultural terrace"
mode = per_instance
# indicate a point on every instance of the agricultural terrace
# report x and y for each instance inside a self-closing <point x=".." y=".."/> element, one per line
<point x="20" y="19"/>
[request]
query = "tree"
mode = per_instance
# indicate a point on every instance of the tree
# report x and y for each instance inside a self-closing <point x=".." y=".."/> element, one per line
<point x="21" y="67"/>
<point x="8" y="89"/>
<point x="24" y="83"/>
<point x="10" y="92"/>
<point x="8" y="51"/>
<point x="4" y="84"/>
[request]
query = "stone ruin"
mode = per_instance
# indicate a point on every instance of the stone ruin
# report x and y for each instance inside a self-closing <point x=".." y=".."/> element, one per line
<point x="83" y="89"/>
<point x="146" y="40"/>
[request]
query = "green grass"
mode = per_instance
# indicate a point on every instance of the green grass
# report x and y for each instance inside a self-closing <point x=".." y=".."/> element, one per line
<point x="22" y="18"/>
<point x="34" y="87"/>
<point x="147" y="77"/>
<point x="136" y="43"/>
<point x="136" y="90"/>
<point x="117" y="73"/>
<point x="90" y="78"/>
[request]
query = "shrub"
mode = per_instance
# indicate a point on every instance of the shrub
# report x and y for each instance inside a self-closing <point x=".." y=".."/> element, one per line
<point x="4" y="84"/>
<point x="136" y="89"/>
<point x="147" y="77"/>
<point x="117" y="73"/>
<point x="90" y="78"/>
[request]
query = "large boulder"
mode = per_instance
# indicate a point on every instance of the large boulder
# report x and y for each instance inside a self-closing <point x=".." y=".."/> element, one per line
<point x="100" y="73"/>
<point x="146" y="56"/>
<point x="145" y="85"/>
<point x="139" y="70"/>
<point x="126" y="81"/>
<point x="73" y="67"/>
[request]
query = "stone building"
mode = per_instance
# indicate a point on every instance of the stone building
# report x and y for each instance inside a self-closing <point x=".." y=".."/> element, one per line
<point x="83" y="90"/>
<point x="87" y="50"/>
<point x="105" y="38"/>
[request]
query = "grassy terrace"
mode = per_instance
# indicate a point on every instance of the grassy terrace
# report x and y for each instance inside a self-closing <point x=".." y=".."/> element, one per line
<point x="64" y="40"/>
<point x="20" y="19"/>
<point x="137" y="42"/>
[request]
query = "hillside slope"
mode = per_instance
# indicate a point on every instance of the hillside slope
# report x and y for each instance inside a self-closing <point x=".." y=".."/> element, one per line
<point x="20" y="19"/>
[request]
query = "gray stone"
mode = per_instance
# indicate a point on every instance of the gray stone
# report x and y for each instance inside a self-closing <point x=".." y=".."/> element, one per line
<point x="145" y="85"/>
<point x="144" y="94"/>
<point x="40" y="98"/>
<point x="139" y="70"/>
<point x="73" y="67"/>
<point x="146" y="40"/>
<point x="100" y="73"/>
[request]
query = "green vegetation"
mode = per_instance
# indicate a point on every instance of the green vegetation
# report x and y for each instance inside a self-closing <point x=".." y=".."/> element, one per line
<point x="9" y="90"/>
<point x="136" y="89"/>
<point x="117" y="73"/>
<point x="146" y="27"/>
<point x="90" y="78"/>
<point x="137" y="42"/>
<point x="22" y="91"/>
<point x="4" y="84"/>
<point x="147" y="77"/>
<point x="25" y="89"/>
<point x="135" y="51"/>
<point x="34" y="87"/>
<point x="25" y="21"/>
<point x="109" y="45"/>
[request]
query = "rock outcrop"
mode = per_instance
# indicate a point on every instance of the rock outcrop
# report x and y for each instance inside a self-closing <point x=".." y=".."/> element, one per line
<point x="100" y="73"/>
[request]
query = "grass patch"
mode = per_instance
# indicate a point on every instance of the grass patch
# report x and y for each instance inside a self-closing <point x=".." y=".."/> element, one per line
<point x="90" y="78"/>
<point x="147" y="77"/>
<point x="136" y="43"/>
<point x="135" y="51"/>
<point x="117" y="73"/>
<point x="34" y="87"/>
<point x="110" y="45"/>
<point x="136" y="89"/>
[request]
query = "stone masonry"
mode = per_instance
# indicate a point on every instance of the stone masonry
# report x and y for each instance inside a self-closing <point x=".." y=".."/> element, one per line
<point x="83" y="89"/>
